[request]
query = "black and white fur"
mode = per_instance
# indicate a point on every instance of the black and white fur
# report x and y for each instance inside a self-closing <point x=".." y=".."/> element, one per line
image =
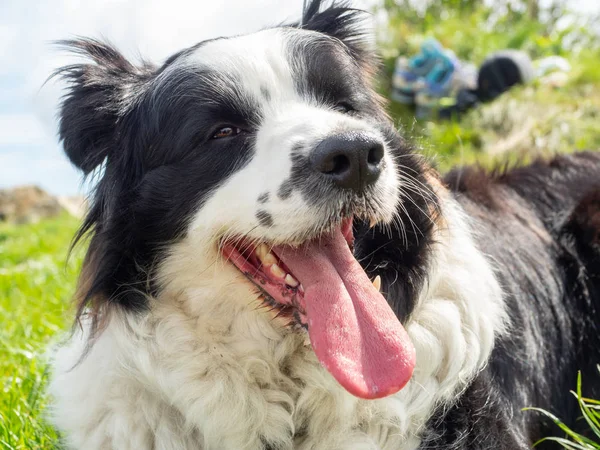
<point x="494" y="276"/>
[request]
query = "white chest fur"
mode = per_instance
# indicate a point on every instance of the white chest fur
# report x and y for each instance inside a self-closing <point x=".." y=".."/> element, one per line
<point x="206" y="368"/>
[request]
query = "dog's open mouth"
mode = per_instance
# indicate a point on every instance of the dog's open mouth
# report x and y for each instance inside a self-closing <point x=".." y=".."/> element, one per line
<point x="352" y="329"/>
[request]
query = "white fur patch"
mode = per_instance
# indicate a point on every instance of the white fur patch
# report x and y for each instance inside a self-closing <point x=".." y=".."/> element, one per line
<point x="206" y="366"/>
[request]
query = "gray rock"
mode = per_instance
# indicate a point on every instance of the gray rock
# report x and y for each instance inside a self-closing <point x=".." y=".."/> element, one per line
<point x="27" y="204"/>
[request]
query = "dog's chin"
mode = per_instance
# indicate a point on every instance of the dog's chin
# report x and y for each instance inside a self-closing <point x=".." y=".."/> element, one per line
<point x="318" y="285"/>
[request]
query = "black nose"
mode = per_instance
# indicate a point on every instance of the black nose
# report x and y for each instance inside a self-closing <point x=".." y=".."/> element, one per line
<point x="351" y="160"/>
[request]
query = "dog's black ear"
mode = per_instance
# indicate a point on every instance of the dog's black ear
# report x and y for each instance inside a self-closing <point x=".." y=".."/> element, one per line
<point x="341" y="21"/>
<point x="99" y="94"/>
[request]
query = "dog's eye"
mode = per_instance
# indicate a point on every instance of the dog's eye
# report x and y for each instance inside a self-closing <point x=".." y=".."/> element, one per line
<point x="343" y="107"/>
<point x="226" y="132"/>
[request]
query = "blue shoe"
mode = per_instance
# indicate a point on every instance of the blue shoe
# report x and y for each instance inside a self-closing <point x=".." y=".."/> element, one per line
<point x="409" y="74"/>
<point x="442" y="84"/>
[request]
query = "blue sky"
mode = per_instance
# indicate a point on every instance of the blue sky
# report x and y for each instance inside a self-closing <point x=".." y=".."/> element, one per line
<point x="29" y="150"/>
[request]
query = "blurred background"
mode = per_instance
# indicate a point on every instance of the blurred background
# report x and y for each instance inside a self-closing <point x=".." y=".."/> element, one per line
<point x="470" y="81"/>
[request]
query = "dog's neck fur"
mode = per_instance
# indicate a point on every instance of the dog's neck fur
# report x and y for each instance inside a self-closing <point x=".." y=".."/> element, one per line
<point x="237" y="379"/>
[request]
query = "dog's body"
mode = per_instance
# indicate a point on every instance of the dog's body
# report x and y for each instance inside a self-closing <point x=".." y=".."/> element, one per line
<point x="194" y="334"/>
<point x="539" y="224"/>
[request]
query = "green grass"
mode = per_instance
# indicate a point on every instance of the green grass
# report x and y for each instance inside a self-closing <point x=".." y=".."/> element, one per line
<point x="590" y="413"/>
<point x="36" y="284"/>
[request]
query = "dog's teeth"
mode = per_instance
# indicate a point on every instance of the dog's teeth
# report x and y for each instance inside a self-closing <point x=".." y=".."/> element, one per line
<point x="291" y="281"/>
<point x="372" y="223"/>
<point x="301" y="289"/>
<point x="261" y="251"/>
<point x="377" y="283"/>
<point x="277" y="271"/>
<point x="264" y="254"/>
<point x="269" y="259"/>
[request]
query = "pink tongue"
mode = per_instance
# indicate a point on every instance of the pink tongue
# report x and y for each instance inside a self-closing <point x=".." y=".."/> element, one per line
<point x="353" y="331"/>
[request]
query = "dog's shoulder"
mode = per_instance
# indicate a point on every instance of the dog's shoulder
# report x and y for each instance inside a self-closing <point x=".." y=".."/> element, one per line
<point x="547" y="184"/>
<point x="481" y="418"/>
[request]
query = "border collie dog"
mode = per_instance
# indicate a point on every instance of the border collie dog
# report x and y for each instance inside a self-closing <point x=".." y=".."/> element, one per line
<point x="272" y="266"/>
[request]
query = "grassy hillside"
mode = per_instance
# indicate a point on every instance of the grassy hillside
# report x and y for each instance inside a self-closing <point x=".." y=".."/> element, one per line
<point x="529" y="121"/>
<point x="36" y="283"/>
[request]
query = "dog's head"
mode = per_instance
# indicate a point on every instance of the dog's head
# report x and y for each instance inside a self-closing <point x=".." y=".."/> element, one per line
<point x="261" y="155"/>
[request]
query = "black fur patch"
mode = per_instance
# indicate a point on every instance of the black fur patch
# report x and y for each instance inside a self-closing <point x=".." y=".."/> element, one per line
<point x="332" y="75"/>
<point x="342" y="22"/>
<point x="263" y="198"/>
<point x="264" y="218"/>
<point x="285" y="190"/>
<point x="97" y="100"/>
<point x="400" y="253"/>
<point x="539" y="224"/>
